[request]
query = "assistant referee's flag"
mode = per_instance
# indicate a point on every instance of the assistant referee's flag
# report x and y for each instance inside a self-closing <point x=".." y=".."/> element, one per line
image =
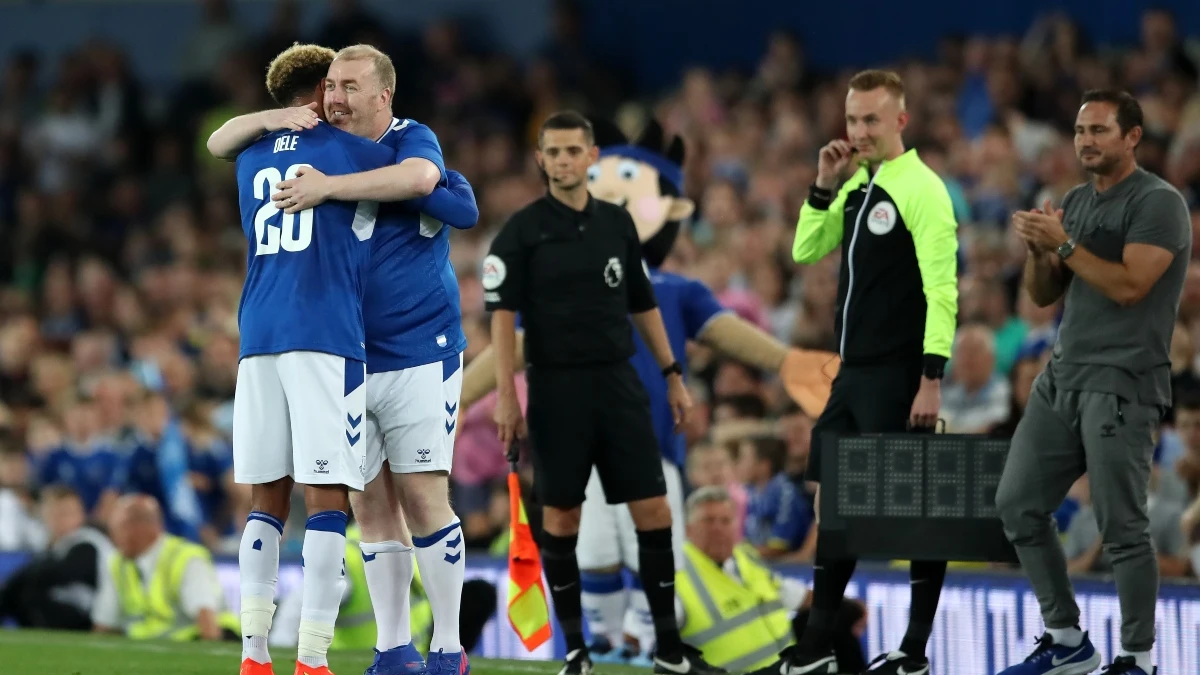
<point x="528" y="611"/>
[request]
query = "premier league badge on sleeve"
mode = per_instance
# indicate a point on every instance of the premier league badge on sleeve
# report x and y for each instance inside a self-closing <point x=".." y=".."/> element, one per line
<point x="613" y="273"/>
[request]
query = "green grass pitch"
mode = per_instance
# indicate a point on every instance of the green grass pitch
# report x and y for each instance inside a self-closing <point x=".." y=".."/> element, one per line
<point x="56" y="653"/>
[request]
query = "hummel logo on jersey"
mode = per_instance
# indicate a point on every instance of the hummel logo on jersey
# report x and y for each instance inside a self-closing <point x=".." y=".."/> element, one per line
<point x="1108" y="430"/>
<point x="423" y="456"/>
<point x="322" y="466"/>
<point x="353" y="422"/>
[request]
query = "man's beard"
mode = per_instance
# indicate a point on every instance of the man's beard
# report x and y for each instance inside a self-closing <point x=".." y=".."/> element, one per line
<point x="1103" y="167"/>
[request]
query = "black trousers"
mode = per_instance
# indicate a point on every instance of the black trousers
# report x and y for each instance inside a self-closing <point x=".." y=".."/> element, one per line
<point x="846" y="646"/>
<point x="478" y="605"/>
<point x="27" y="598"/>
<point x="866" y="399"/>
<point x="587" y="416"/>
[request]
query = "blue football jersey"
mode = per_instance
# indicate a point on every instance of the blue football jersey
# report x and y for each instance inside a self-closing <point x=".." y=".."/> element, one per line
<point x="88" y="470"/>
<point x="778" y="515"/>
<point x="686" y="306"/>
<point x="411" y="310"/>
<point x="305" y="272"/>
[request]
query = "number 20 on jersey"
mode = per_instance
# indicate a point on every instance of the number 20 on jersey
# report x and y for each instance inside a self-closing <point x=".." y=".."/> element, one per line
<point x="293" y="232"/>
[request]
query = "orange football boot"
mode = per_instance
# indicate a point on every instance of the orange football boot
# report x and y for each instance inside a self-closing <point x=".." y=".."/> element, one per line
<point x="252" y="667"/>
<point x="302" y="669"/>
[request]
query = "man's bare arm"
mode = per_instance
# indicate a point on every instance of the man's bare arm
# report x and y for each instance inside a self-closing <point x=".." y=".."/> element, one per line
<point x="1125" y="282"/>
<point x="734" y="336"/>
<point x="479" y="377"/>
<point x="413" y="178"/>
<point x="1044" y="278"/>
<point x="206" y="623"/>
<point x="504" y="339"/>
<point x="240" y="132"/>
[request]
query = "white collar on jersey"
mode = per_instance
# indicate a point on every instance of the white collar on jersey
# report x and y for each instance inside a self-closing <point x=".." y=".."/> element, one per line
<point x="397" y="125"/>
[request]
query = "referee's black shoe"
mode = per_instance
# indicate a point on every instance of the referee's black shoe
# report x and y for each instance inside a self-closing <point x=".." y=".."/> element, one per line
<point x="897" y="663"/>
<point x="578" y="663"/>
<point x="792" y="662"/>
<point x="687" y="662"/>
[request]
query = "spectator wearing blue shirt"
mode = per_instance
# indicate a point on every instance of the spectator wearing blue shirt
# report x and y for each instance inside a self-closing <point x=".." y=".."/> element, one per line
<point x="779" y="518"/>
<point x="157" y="466"/>
<point x="82" y="460"/>
<point x="210" y="471"/>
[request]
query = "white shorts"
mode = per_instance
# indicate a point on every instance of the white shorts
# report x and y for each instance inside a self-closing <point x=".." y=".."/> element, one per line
<point x="412" y="417"/>
<point x="300" y="414"/>
<point x="607" y="536"/>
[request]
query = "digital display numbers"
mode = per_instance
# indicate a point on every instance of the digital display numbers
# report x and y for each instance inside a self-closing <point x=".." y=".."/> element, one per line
<point x="918" y="476"/>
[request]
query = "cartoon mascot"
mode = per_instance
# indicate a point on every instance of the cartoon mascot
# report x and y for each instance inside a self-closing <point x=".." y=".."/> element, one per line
<point x="648" y="181"/>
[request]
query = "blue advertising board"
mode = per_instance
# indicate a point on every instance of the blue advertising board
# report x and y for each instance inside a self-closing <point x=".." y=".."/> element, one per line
<point x="987" y="620"/>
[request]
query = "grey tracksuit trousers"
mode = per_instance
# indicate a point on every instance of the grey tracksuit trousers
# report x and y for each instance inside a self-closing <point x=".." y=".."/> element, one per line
<point x="1061" y="435"/>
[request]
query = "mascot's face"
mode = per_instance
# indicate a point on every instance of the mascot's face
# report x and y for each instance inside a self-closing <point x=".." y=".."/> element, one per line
<point x="634" y="185"/>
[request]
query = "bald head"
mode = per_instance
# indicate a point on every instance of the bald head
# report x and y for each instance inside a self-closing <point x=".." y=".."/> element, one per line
<point x="974" y="356"/>
<point x="976" y="336"/>
<point x="135" y="525"/>
<point x="138" y="508"/>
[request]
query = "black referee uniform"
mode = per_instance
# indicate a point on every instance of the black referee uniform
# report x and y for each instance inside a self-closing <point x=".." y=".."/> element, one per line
<point x="575" y="277"/>
<point x="897" y="307"/>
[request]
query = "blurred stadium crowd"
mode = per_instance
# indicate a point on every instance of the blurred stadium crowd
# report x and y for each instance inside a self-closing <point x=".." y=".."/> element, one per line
<point x="122" y="257"/>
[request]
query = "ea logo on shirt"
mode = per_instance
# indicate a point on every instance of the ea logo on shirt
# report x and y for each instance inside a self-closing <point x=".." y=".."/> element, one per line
<point x="882" y="218"/>
<point x="493" y="273"/>
<point x="613" y="273"/>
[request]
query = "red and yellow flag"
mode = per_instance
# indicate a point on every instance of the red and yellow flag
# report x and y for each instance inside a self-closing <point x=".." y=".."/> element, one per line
<point x="528" y="611"/>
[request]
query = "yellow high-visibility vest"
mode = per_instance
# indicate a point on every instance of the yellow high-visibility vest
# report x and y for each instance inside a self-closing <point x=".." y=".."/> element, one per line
<point x="739" y="626"/>
<point x="154" y="605"/>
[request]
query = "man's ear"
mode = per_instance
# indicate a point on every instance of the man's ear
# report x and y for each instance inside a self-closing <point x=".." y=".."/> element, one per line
<point x="681" y="207"/>
<point x="594" y="154"/>
<point x="1135" y="135"/>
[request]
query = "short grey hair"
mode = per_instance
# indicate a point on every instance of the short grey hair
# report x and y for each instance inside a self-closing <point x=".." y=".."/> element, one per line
<point x="710" y="494"/>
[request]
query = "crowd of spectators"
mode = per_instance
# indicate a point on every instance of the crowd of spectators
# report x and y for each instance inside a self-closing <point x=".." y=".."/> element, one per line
<point x="122" y="257"/>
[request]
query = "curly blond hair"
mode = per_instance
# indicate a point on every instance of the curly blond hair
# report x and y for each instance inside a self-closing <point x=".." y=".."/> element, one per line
<point x="297" y="70"/>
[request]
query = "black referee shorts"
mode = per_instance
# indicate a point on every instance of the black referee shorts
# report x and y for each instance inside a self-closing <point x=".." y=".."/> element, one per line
<point x="587" y="416"/>
<point x="874" y="399"/>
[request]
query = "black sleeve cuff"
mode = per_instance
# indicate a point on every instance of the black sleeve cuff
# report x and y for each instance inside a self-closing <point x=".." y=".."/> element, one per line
<point x="493" y="306"/>
<point x="935" y="366"/>
<point x="640" y="309"/>
<point x="820" y="198"/>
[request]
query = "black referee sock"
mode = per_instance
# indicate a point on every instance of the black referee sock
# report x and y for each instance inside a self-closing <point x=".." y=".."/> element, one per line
<point x="562" y="571"/>
<point x="656" y="561"/>
<point x="829" y="585"/>
<point x="927" y="577"/>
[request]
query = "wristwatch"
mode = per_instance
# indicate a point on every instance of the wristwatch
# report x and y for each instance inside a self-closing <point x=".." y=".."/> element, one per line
<point x="673" y="369"/>
<point x="1066" y="248"/>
